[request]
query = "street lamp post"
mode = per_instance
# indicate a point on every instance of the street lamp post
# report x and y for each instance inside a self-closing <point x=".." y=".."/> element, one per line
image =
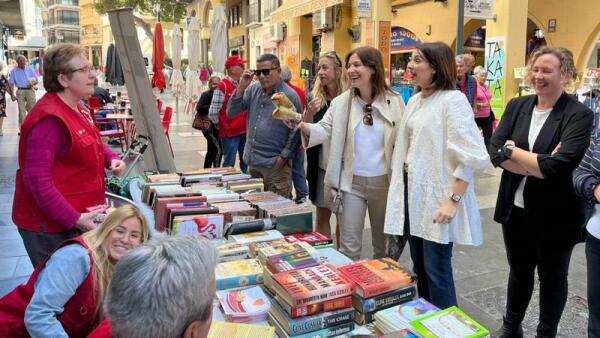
<point x="460" y="27"/>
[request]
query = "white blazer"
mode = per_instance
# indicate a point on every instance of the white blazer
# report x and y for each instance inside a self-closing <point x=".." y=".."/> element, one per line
<point x="332" y="128"/>
<point x="449" y="146"/>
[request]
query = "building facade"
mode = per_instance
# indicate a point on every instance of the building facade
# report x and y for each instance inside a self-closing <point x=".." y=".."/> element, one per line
<point x="61" y="21"/>
<point x="91" y="32"/>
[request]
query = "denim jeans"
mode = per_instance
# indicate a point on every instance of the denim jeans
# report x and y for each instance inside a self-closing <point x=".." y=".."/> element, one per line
<point x="231" y="146"/>
<point x="592" y="254"/>
<point x="432" y="262"/>
<point x="526" y="251"/>
<point x="299" y="175"/>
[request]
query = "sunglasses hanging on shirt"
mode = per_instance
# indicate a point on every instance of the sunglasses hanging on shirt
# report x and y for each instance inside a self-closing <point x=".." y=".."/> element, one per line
<point x="368" y="114"/>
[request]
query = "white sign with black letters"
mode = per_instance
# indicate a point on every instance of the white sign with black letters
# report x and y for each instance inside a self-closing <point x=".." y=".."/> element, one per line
<point x="479" y="9"/>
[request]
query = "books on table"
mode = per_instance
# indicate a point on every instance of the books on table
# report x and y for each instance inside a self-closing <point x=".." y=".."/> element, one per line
<point x="399" y="317"/>
<point x="449" y="323"/>
<point x="376" y="276"/>
<point x="259" y="236"/>
<point x="235" y="274"/>
<point x="245" y="305"/>
<point x="219" y="329"/>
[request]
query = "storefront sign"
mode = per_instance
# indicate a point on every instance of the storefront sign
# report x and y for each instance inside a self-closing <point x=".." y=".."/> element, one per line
<point x="363" y="8"/>
<point x="236" y="41"/>
<point x="495" y="49"/>
<point x="402" y="39"/>
<point x="479" y="9"/>
<point x="384" y="32"/>
<point x="476" y="39"/>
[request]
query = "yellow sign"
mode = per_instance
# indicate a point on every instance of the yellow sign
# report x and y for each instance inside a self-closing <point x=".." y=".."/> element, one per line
<point x="520" y="72"/>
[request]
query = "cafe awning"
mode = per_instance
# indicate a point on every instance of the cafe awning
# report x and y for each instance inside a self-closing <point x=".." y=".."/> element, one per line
<point x="295" y="8"/>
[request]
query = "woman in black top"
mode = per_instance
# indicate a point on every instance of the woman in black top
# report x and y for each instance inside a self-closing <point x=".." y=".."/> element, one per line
<point x="329" y="84"/>
<point x="539" y="142"/>
<point x="213" y="152"/>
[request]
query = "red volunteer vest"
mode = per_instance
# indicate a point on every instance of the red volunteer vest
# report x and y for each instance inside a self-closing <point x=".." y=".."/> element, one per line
<point x="78" y="174"/>
<point x="230" y="126"/>
<point x="101" y="331"/>
<point x="78" y="317"/>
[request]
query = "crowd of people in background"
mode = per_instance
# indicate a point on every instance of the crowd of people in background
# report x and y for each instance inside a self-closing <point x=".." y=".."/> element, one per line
<point x="356" y="148"/>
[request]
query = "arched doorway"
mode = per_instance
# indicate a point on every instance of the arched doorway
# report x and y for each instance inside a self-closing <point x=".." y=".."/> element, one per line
<point x="535" y="37"/>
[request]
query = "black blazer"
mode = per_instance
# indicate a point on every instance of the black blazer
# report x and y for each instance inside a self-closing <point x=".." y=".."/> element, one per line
<point x="551" y="203"/>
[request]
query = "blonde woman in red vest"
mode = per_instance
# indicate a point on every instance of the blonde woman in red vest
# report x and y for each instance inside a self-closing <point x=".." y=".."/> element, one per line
<point x="61" y="157"/>
<point x="64" y="295"/>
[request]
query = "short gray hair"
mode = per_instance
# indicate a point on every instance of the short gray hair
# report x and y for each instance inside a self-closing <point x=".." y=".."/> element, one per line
<point x="21" y="56"/>
<point x="460" y="58"/>
<point x="269" y="57"/>
<point x="286" y="74"/>
<point x="161" y="287"/>
<point x="479" y="70"/>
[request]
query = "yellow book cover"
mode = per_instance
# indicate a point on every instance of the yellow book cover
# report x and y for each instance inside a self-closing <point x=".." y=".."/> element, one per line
<point x="238" y="273"/>
<point x="220" y="329"/>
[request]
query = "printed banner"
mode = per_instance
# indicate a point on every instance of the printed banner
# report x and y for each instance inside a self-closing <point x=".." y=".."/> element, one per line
<point x="403" y="39"/>
<point x="363" y="8"/>
<point x="495" y="63"/>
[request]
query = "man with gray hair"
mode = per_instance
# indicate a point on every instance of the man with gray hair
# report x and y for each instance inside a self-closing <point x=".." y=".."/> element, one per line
<point x="25" y="79"/>
<point x="163" y="288"/>
<point x="270" y="144"/>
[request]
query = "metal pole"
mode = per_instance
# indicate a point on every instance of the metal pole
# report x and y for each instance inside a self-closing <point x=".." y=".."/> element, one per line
<point x="460" y="27"/>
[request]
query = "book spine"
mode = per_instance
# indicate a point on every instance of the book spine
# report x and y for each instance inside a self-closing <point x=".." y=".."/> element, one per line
<point x="320" y="296"/>
<point x="235" y="282"/>
<point x="329" y="305"/>
<point x="364" y="318"/>
<point x="377" y="303"/>
<point x="325" y="320"/>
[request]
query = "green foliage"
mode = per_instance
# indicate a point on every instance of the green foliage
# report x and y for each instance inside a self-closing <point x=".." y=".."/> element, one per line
<point x="170" y="11"/>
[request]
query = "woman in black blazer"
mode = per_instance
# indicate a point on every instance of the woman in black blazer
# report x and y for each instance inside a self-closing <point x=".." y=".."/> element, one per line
<point x="539" y="142"/>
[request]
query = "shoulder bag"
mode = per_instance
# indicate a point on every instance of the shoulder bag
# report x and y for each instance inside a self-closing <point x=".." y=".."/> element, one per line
<point x="336" y="204"/>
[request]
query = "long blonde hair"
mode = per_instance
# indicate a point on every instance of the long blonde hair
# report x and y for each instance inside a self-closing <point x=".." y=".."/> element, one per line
<point x="103" y="265"/>
<point x="318" y="91"/>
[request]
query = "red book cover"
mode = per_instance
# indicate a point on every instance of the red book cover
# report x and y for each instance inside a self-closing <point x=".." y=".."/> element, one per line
<point x="312" y="285"/>
<point x="313" y="238"/>
<point x="309" y="310"/>
<point x="376" y="276"/>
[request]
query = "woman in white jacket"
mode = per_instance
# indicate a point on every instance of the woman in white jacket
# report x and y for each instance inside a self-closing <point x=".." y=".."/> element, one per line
<point x="437" y="150"/>
<point x="361" y="126"/>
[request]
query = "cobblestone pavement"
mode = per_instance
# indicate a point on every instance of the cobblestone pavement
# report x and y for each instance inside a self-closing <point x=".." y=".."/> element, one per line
<point x="480" y="272"/>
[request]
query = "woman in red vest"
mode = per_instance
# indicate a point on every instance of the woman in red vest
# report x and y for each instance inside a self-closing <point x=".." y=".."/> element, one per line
<point x="61" y="157"/>
<point x="64" y="295"/>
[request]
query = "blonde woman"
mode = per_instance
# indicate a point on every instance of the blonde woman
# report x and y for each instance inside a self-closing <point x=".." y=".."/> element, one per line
<point x="64" y="295"/>
<point x="329" y="84"/>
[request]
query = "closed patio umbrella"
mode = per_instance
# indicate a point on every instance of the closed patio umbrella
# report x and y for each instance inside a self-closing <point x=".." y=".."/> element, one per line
<point x="192" y="86"/>
<point x="218" y="39"/>
<point x="158" y="58"/>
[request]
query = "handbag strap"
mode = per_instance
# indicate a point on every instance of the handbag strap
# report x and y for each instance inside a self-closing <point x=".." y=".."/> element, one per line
<point x="348" y="112"/>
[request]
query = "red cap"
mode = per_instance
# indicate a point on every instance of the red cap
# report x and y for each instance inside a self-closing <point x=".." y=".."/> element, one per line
<point x="234" y="60"/>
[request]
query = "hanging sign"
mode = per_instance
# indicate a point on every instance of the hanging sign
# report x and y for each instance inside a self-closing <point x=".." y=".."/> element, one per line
<point x="476" y="39"/>
<point x="495" y="62"/>
<point x="363" y="8"/>
<point x="402" y="39"/>
<point x="479" y="9"/>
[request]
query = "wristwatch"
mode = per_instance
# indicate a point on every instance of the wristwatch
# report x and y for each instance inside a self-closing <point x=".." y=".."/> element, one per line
<point x="455" y="197"/>
<point x="507" y="149"/>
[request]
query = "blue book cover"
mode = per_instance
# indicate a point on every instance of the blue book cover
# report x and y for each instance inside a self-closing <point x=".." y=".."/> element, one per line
<point x="296" y="326"/>
<point x="238" y="273"/>
<point x="399" y="296"/>
<point x="333" y="331"/>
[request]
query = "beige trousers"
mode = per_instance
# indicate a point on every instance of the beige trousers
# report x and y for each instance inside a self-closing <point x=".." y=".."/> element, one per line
<point x="25" y="101"/>
<point x="367" y="193"/>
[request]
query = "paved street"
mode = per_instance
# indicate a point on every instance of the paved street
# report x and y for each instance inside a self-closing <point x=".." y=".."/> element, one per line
<point x="480" y="272"/>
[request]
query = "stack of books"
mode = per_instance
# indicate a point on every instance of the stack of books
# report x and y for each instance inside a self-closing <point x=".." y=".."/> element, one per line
<point x="259" y="236"/>
<point x="316" y="239"/>
<point x="311" y="302"/>
<point x="244" y="306"/>
<point x="398" y="317"/>
<point x="380" y="284"/>
<point x="232" y="251"/>
<point x="239" y="273"/>
<point x="236" y="211"/>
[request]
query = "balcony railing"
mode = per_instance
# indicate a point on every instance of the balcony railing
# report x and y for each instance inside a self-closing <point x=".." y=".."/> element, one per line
<point x="64" y="21"/>
<point x="62" y="2"/>
<point x="253" y="12"/>
<point x="270" y="6"/>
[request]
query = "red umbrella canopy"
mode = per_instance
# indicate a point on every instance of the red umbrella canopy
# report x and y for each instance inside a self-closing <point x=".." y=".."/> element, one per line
<point x="158" y="58"/>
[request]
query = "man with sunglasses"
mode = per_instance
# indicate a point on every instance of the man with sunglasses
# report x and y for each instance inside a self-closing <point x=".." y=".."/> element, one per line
<point x="270" y="144"/>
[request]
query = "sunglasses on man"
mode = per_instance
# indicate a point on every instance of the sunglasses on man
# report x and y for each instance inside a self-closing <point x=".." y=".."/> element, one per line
<point x="265" y="71"/>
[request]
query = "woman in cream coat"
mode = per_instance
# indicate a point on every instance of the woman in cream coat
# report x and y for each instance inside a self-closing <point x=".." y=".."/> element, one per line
<point x="437" y="150"/>
<point x="362" y="143"/>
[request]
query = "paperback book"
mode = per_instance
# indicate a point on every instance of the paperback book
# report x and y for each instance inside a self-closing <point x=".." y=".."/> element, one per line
<point x="313" y="238"/>
<point x="208" y="226"/>
<point x="449" y="323"/>
<point x="290" y="261"/>
<point x="332" y="256"/>
<point x="259" y="236"/>
<point x="311" y="285"/>
<point x="219" y="329"/>
<point x="377" y="276"/>
<point x="333" y="331"/>
<point x="386" y="300"/>
<point x="232" y="252"/>
<point x="246" y="305"/>
<point x="309" y="310"/>
<point x="296" y="326"/>
<point x="399" y="317"/>
<point x="238" y="273"/>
